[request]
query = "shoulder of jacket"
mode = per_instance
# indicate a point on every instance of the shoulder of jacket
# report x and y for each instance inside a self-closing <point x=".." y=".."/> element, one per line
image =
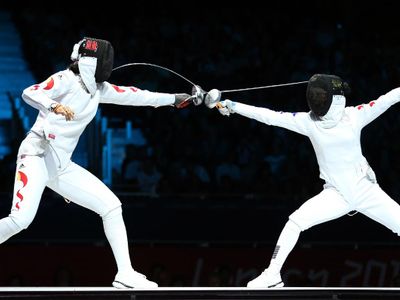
<point x="349" y="110"/>
<point x="63" y="77"/>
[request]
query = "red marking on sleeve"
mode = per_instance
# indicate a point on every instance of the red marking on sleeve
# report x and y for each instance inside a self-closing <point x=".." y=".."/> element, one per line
<point x="52" y="136"/>
<point x="133" y="89"/>
<point x="34" y="87"/>
<point x="372" y="103"/>
<point x="118" y="89"/>
<point x="360" y="106"/>
<point x="49" y="84"/>
<point x="21" y="176"/>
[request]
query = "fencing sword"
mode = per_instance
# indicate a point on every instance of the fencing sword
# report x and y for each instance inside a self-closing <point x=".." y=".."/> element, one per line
<point x="212" y="97"/>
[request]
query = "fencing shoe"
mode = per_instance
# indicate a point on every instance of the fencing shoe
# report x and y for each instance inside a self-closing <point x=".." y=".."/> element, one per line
<point x="132" y="279"/>
<point x="266" y="280"/>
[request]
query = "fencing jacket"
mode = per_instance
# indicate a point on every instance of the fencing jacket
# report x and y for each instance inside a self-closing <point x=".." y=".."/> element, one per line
<point x="67" y="88"/>
<point x="335" y="137"/>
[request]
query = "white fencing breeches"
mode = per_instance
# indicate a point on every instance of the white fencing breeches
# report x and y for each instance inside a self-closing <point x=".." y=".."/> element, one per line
<point x="368" y="199"/>
<point x="75" y="183"/>
<point x="30" y="180"/>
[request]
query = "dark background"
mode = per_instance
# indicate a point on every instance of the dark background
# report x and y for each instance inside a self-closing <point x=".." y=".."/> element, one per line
<point x="270" y="171"/>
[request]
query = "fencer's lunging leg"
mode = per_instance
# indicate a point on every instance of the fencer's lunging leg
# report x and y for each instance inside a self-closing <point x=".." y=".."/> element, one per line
<point x="114" y="228"/>
<point x="329" y="204"/>
<point x="271" y="277"/>
<point x="286" y="242"/>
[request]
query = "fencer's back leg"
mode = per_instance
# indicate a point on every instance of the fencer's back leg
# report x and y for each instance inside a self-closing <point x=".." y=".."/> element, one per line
<point x="30" y="181"/>
<point x="8" y="228"/>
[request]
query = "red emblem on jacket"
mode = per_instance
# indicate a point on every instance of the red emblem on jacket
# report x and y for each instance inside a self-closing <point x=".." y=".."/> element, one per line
<point x="49" y="84"/>
<point x="118" y="89"/>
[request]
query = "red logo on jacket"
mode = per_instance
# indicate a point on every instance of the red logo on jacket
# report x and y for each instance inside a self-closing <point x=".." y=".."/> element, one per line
<point x="49" y="84"/>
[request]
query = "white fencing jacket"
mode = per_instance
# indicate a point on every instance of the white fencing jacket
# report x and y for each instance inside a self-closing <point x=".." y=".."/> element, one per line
<point x="335" y="137"/>
<point x="67" y="88"/>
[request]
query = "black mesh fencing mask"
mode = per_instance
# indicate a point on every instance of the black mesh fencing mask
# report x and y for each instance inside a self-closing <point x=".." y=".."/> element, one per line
<point x="320" y="90"/>
<point x="103" y="51"/>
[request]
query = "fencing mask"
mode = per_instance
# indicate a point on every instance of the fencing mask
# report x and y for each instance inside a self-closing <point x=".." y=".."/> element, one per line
<point x="320" y="91"/>
<point x="102" y="50"/>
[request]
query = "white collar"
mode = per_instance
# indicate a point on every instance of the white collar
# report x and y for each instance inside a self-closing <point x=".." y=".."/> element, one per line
<point x="335" y="112"/>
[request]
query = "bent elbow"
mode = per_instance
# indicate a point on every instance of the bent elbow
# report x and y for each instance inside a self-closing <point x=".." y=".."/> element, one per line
<point x="26" y="93"/>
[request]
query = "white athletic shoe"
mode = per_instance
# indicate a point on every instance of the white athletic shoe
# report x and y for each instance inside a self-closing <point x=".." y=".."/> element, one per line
<point x="132" y="279"/>
<point x="266" y="280"/>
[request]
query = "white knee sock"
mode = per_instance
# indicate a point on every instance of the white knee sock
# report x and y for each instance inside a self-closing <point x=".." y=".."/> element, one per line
<point x="7" y="229"/>
<point x="114" y="228"/>
<point x="286" y="242"/>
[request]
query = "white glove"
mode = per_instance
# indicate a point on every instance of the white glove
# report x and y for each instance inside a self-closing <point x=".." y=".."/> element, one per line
<point x="225" y="107"/>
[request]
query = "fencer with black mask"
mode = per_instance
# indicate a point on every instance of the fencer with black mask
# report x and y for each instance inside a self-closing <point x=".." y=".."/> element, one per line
<point x="350" y="184"/>
<point x="67" y="102"/>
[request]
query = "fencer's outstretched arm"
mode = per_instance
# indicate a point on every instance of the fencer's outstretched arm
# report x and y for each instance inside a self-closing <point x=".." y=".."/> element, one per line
<point x="129" y="95"/>
<point x="368" y="112"/>
<point x="297" y="122"/>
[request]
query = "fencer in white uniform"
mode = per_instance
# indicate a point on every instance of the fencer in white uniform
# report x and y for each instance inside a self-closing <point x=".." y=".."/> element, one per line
<point x="67" y="102"/>
<point x="350" y="184"/>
